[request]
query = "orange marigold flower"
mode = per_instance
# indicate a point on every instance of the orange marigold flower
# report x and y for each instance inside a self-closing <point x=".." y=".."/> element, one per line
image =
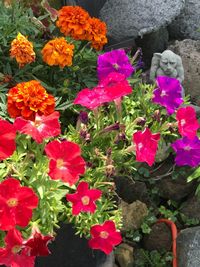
<point x="73" y="21"/>
<point x="28" y="98"/>
<point x="97" y="33"/>
<point x="22" y="50"/>
<point x="58" y="52"/>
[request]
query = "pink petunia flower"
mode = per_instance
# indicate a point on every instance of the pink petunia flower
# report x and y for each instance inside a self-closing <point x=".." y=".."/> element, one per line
<point x="39" y="129"/>
<point x="7" y="139"/>
<point x="104" y="237"/>
<point x="84" y="199"/>
<point x="115" y="86"/>
<point x="16" y="204"/>
<point x="66" y="162"/>
<point x="14" y="254"/>
<point x="91" y="98"/>
<point x="146" y="145"/>
<point x="187" y="122"/>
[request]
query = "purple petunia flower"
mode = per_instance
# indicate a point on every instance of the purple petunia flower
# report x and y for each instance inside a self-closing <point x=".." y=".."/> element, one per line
<point x="168" y="93"/>
<point x="114" y="61"/>
<point x="187" y="151"/>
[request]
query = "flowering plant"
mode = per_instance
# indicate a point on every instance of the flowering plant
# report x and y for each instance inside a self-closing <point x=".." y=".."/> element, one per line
<point x="56" y="171"/>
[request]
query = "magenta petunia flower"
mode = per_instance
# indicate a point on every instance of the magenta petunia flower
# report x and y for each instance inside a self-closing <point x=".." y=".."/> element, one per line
<point x="187" y="151"/>
<point x="84" y="198"/>
<point x="168" y="94"/>
<point x="146" y="145"/>
<point x="114" y="61"/>
<point x="187" y="122"/>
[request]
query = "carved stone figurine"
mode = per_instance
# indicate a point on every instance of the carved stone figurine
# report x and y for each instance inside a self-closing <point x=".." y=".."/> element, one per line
<point x="167" y="64"/>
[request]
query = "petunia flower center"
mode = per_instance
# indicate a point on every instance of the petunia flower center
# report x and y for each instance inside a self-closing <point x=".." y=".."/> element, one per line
<point x="104" y="234"/>
<point x="85" y="200"/>
<point x="37" y="123"/>
<point x="59" y="163"/>
<point x="116" y="66"/>
<point x="183" y="122"/>
<point x="187" y="148"/>
<point x="163" y="93"/>
<point x="16" y="249"/>
<point x="140" y="145"/>
<point x="12" y="202"/>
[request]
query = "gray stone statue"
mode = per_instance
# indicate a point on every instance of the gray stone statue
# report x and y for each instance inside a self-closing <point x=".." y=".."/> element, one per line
<point x="167" y="64"/>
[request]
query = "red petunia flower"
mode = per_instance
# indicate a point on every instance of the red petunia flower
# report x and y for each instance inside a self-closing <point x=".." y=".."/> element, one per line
<point x="39" y="129"/>
<point x="37" y="244"/>
<point x="66" y="162"/>
<point x="14" y="254"/>
<point x="146" y="145"/>
<point x="187" y="122"/>
<point x="16" y="204"/>
<point x="84" y="199"/>
<point x="7" y="139"/>
<point x="104" y="237"/>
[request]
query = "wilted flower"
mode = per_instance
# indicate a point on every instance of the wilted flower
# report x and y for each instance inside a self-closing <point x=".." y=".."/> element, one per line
<point x="14" y="254"/>
<point x="7" y="139"/>
<point x="22" y="50"/>
<point x="97" y="33"/>
<point x="84" y="199"/>
<point x="73" y="21"/>
<point x="83" y="116"/>
<point x="66" y="162"/>
<point x="37" y="244"/>
<point x="39" y="129"/>
<point x="146" y="145"/>
<point x="58" y="52"/>
<point x="104" y="237"/>
<point x="16" y="204"/>
<point x="187" y="151"/>
<point x="28" y="98"/>
<point x="187" y="122"/>
<point x="114" y="61"/>
<point x="168" y="93"/>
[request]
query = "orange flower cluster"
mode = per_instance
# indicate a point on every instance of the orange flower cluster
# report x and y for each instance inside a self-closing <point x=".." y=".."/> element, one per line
<point x="28" y="98"/>
<point x="97" y="33"/>
<point x="22" y="50"/>
<point x="74" y="21"/>
<point x="58" y="52"/>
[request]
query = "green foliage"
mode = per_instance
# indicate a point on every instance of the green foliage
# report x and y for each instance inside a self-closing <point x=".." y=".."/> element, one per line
<point x="153" y="258"/>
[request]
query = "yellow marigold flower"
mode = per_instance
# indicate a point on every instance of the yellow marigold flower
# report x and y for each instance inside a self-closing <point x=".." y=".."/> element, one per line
<point x="73" y="21"/>
<point x="97" y="33"/>
<point x="22" y="50"/>
<point x="28" y="98"/>
<point x="58" y="52"/>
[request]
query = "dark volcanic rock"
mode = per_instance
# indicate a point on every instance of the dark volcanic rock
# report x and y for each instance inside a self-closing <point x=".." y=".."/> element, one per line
<point x="191" y="208"/>
<point x="159" y="238"/>
<point x="130" y="190"/>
